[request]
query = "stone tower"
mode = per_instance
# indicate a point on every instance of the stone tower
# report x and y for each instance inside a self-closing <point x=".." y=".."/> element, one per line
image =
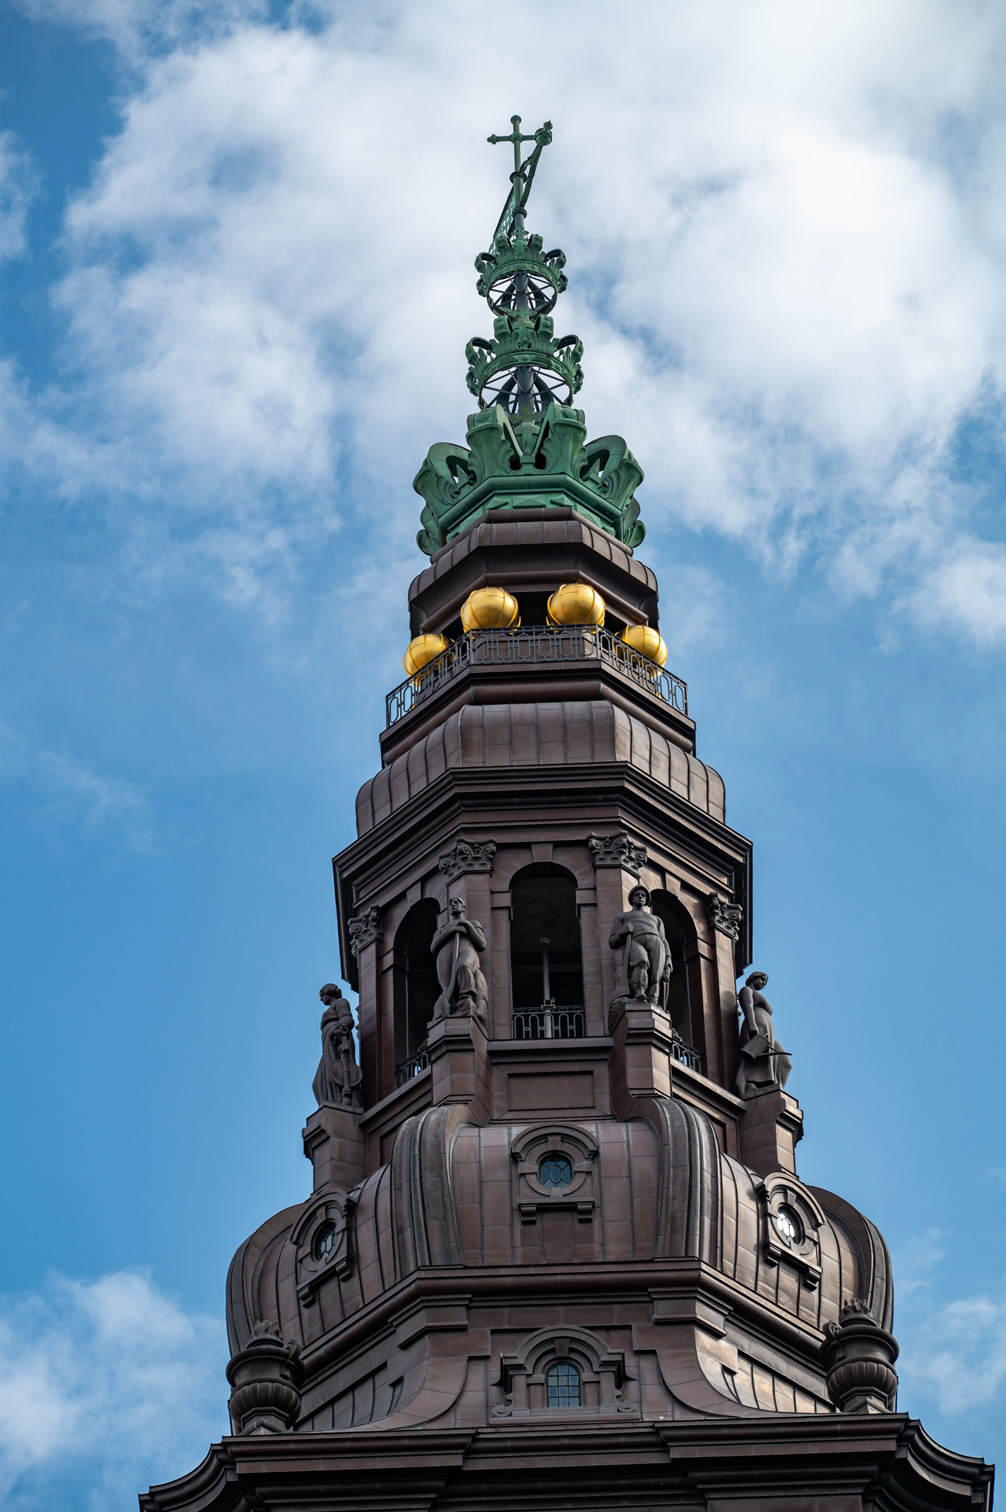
<point x="556" y="1253"/>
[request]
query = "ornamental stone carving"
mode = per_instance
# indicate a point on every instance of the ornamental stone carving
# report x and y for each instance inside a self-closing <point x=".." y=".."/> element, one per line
<point x="724" y="916"/>
<point x="467" y="856"/>
<point x="617" y="850"/>
<point x="364" y="930"/>
<point x="265" y="1377"/>
<point x="858" y="1359"/>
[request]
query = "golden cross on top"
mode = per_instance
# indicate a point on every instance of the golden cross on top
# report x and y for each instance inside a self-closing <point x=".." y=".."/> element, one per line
<point x="523" y="173"/>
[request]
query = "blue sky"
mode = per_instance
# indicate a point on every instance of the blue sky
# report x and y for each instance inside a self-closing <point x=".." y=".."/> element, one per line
<point x="235" y="288"/>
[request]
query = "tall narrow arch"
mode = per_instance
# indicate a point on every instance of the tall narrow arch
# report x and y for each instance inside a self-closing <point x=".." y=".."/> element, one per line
<point x="684" y="997"/>
<point x="546" y="963"/>
<point x="416" y="985"/>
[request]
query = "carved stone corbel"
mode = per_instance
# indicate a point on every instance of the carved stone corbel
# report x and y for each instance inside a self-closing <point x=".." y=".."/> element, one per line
<point x="364" y="929"/>
<point x="724" y="916"/>
<point x="467" y="856"/>
<point x="617" y="850"/>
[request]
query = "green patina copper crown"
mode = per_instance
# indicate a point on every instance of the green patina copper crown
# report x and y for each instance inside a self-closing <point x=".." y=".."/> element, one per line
<point x="526" y="445"/>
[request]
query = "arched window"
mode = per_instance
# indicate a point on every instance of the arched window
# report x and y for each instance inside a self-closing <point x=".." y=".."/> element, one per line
<point x="545" y="963"/>
<point x="563" y="1386"/>
<point x="680" y="937"/>
<point x="417" y="987"/>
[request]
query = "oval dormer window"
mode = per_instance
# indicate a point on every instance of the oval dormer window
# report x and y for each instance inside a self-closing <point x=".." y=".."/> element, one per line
<point x="555" y="1171"/>
<point x="788" y="1225"/>
<point x="324" y="1242"/>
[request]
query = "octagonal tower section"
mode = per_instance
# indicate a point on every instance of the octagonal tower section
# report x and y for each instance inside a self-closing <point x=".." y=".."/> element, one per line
<point x="554" y="759"/>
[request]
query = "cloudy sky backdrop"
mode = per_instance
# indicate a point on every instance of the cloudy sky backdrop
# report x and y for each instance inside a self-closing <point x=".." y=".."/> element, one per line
<point x="237" y="244"/>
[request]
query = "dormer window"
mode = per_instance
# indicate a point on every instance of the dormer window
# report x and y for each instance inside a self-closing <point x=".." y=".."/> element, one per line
<point x="563" y="1385"/>
<point x="555" y="1171"/>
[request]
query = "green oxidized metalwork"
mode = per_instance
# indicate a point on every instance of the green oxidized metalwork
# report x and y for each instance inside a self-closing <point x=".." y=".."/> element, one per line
<point x="526" y="445"/>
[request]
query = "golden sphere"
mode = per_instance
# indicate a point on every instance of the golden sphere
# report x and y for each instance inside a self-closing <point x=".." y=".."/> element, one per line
<point x="422" y="650"/>
<point x="576" y="604"/>
<point x="646" y="641"/>
<point x="489" y="609"/>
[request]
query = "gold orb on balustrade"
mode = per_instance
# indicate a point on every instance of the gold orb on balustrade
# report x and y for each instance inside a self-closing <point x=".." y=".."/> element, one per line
<point x="422" y="650"/>
<point x="647" y="641"/>
<point x="576" y="604"/>
<point x="489" y="609"/>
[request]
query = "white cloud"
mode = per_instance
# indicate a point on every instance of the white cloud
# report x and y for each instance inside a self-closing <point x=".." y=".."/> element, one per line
<point x="953" y="1353"/>
<point x="109" y="1384"/>
<point x="968" y="589"/>
<point x="957" y="1353"/>
<point x="784" y="232"/>
<point x="70" y="791"/>
<point x="16" y="189"/>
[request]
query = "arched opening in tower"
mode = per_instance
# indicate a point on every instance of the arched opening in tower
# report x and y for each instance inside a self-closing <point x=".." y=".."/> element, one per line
<point x="546" y="965"/>
<point x="418" y="987"/>
<point x="683" y="997"/>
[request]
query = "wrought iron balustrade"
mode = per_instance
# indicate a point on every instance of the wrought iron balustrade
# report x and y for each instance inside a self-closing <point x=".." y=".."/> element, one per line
<point x="548" y="1022"/>
<point x="537" y="644"/>
<point x="412" y="1067"/>
<point x="685" y="1053"/>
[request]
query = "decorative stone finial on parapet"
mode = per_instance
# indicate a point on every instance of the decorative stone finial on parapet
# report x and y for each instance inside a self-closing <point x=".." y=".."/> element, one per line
<point x="764" y="1064"/>
<point x="859" y="1359"/>
<point x="337" y="1079"/>
<point x="265" y="1377"/>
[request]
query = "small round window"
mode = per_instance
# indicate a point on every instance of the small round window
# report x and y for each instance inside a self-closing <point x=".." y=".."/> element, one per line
<point x="324" y="1241"/>
<point x="788" y="1225"/>
<point x="555" y="1171"/>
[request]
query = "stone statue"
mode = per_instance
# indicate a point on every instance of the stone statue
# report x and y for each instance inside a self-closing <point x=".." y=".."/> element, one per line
<point x="763" y="1061"/>
<point x="337" y="1079"/>
<point x="646" y="957"/>
<point x="456" y="947"/>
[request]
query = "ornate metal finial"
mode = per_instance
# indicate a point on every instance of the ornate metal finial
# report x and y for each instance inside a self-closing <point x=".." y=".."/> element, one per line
<point x="527" y="445"/>
<point x="524" y="368"/>
<point x="523" y="173"/>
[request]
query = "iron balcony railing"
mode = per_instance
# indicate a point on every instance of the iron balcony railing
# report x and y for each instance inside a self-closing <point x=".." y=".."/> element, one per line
<point x="412" y="1067"/>
<point x="536" y="645"/>
<point x="685" y="1053"/>
<point x="548" y="1022"/>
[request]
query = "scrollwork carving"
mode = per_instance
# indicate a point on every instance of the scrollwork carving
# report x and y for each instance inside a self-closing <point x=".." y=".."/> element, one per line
<point x="364" y="930"/>
<point x="724" y="916"/>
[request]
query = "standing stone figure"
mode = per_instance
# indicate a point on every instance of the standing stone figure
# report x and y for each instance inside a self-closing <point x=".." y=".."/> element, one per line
<point x="337" y="1079"/>
<point x="456" y="946"/>
<point x="763" y="1062"/>
<point x="646" y="957"/>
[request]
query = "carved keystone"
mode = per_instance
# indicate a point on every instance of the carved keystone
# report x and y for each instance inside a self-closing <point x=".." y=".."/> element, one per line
<point x="265" y="1377"/>
<point x="858" y="1358"/>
